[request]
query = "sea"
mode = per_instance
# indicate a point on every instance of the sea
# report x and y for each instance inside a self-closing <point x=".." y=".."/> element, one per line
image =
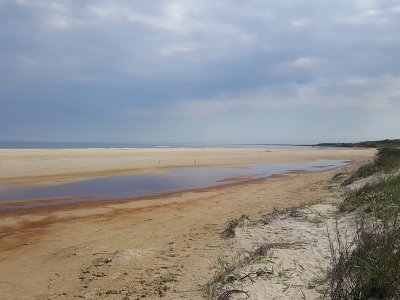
<point x="92" y="145"/>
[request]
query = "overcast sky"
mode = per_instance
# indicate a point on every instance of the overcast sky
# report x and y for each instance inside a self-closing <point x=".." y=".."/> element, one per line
<point x="223" y="71"/>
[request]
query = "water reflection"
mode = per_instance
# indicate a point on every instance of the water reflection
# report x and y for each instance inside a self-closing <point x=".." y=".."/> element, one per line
<point x="175" y="179"/>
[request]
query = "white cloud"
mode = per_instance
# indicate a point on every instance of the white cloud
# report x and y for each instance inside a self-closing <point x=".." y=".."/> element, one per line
<point x="118" y="13"/>
<point x="170" y="17"/>
<point x="54" y="15"/>
<point x="59" y="22"/>
<point x="305" y="62"/>
<point x="373" y="12"/>
<point x="396" y="9"/>
<point x="300" y="23"/>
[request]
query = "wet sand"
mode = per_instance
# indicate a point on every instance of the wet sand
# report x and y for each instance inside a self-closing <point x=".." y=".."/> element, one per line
<point x="23" y="167"/>
<point x="157" y="246"/>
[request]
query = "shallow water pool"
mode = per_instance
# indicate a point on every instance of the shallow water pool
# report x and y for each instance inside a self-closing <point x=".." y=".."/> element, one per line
<point x="175" y="179"/>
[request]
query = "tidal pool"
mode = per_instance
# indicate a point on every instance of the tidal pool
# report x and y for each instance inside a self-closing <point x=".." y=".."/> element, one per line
<point x="176" y="179"/>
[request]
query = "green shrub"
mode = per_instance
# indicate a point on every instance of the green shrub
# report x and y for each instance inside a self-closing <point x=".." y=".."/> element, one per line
<point x="369" y="266"/>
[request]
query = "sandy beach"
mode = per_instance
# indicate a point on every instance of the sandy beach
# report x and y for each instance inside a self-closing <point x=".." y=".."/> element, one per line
<point x="51" y="166"/>
<point x="161" y="246"/>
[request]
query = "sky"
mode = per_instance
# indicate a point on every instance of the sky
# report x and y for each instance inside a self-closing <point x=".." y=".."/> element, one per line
<point x="209" y="71"/>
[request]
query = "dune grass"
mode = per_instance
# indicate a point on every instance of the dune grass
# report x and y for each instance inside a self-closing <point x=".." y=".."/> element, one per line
<point x="386" y="161"/>
<point x="369" y="266"/>
<point x="230" y="230"/>
<point x="228" y="277"/>
<point x="379" y="197"/>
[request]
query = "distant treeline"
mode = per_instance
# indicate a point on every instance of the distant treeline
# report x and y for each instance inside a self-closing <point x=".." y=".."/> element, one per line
<point x="366" y="144"/>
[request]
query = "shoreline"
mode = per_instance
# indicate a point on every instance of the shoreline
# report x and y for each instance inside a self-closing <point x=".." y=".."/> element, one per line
<point x="166" y="246"/>
<point x="38" y="167"/>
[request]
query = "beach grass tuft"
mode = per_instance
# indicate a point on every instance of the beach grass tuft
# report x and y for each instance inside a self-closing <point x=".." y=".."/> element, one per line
<point x="229" y="276"/>
<point x="230" y="230"/>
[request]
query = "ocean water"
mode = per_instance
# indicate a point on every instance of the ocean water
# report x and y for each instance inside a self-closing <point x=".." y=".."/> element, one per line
<point x="80" y="145"/>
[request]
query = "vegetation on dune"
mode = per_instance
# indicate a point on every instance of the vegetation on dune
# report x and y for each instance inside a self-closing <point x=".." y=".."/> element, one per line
<point x="369" y="266"/>
<point x="386" y="161"/>
<point x="367" y="144"/>
<point x="380" y="197"/>
<point x="366" y="267"/>
<point x="379" y="144"/>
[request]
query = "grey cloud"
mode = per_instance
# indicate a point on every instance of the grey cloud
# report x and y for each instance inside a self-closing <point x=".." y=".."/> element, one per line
<point x="140" y="39"/>
<point x="364" y="93"/>
<point x="196" y="57"/>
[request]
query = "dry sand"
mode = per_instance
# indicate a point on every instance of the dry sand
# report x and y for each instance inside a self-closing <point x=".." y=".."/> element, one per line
<point x="162" y="246"/>
<point x="298" y="242"/>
